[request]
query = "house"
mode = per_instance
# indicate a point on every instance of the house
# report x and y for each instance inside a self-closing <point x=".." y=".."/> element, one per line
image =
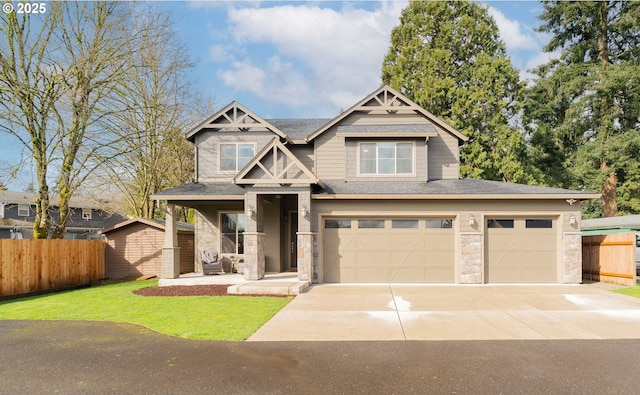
<point x="372" y="195"/>
<point x="134" y="248"/>
<point x="87" y="217"/>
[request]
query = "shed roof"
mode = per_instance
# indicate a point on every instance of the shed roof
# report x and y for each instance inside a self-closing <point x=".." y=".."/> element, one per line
<point x="158" y="224"/>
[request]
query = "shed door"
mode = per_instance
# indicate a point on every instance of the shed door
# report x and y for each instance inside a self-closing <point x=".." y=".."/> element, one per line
<point x="521" y="250"/>
<point x="396" y="250"/>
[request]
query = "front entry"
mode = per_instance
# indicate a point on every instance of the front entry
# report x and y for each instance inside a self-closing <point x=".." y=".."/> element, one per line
<point x="292" y="241"/>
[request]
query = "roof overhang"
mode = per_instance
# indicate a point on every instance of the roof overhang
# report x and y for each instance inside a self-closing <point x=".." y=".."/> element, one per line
<point x="327" y="196"/>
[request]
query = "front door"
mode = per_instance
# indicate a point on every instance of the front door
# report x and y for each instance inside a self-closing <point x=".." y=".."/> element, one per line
<point x="292" y="240"/>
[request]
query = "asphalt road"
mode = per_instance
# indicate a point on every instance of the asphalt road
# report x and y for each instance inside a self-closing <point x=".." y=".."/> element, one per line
<point x="47" y="357"/>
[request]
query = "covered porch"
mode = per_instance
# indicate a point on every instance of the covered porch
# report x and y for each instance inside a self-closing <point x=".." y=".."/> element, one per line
<point x="263" y="230"/>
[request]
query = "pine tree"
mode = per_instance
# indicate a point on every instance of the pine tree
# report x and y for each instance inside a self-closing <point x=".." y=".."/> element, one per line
<point x="584" y="110"/>
<point x="448" y="58"/>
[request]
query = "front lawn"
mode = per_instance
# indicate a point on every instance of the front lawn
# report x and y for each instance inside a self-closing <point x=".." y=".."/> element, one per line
<point x="193" y="317"/>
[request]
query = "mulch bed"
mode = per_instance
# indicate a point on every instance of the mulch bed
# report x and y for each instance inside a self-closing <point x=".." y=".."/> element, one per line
<point x="191" y="290"/>
<point x="185" y="290"/>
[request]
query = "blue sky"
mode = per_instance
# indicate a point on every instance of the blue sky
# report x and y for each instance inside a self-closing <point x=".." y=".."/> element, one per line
<point x="304" y="59"/>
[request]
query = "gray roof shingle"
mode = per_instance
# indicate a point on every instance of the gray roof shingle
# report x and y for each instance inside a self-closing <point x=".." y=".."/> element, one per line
<point x="298" y="129"/>
<point x="465" y="186"/>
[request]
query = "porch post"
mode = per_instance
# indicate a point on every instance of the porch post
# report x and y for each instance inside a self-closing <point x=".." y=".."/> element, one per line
<point x="254" y="259"/>
<point x="170" y="249"/>
<point x="306" y="239"/>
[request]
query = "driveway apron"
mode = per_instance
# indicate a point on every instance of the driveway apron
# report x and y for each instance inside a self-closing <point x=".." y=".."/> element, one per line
<point x="454" y="312"/>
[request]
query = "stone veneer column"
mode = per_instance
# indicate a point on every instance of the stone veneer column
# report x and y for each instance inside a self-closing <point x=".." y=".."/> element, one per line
<point x="170" y="249"/>
<point x="572" y="257"/>
<point x="254" y="261"/>
<point x="306" y="252"/>
<point x="471" y="258"/>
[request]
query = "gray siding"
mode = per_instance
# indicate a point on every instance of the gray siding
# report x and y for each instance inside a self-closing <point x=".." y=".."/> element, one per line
<point x="208" y="152"/>
<point x="444" y="157"/>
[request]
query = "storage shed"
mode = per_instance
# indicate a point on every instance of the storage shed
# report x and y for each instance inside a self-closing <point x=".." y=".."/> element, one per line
<point x="134" y="248"/>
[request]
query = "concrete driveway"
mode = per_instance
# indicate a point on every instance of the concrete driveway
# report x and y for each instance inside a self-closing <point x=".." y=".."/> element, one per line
<point x="454" y="312"/>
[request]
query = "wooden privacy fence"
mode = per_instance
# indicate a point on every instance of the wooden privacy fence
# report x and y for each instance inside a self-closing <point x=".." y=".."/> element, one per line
<point x="609" y="258"/>
<point x="31" y="266"/>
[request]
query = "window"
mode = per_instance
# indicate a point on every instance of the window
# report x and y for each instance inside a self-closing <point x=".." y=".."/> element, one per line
<point x="86" y="213"/>
<point x="438" y="223"/>
<point x="232" y="233"/>
<point x="500" y="223"/>
<point x="386" y="158"/>
<point x="539" y="224"/>
<point x="337" y="223"/>
<point x="23" y="210"/>
<point x="371" y="223"/>
<point x="404" y="224"/>
<point x="235" y="156"/>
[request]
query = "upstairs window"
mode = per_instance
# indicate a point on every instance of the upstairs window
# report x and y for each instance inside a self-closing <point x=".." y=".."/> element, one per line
<point x="386" y="158"/>
<point x="23" y="210"/>
<point x="235" y="156"/>
<point x="86" y="213"/>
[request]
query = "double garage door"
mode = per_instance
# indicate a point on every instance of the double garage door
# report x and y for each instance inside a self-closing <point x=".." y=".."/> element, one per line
<point x="392" y="250"/>
<point x="422" y="250"/>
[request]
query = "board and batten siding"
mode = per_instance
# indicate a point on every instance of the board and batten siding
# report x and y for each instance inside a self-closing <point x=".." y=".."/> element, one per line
<point x="208" y="151"/>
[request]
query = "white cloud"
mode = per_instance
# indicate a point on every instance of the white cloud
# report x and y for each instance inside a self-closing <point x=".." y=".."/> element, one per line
<point x="515" y="36"/>
<point x="325" y="57"/>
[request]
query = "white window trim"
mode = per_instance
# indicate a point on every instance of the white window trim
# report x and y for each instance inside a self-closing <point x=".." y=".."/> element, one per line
<point x="86" y="213"/>
<point x="21" y="207"/>
<point x="220" y="214"/>
<point x="396" y="174"/>
<point x="236" y="144"/>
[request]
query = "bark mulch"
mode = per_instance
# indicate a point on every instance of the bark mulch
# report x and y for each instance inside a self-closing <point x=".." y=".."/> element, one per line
<point x="185" y="290"/>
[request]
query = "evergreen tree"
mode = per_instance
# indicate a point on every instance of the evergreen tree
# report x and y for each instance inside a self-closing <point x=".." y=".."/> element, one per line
<point x="448" y="58"/>
<point x="584" y="109"/>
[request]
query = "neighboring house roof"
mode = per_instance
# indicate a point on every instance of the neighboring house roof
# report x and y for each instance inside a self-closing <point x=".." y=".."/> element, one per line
<point x="203" y="191"/>
<point x="450" y="189"/>
<point x="15" y="197"/>
<point x="622" y="222"/>
<point x="158" y="224"/>
<point x="387" y="99"/>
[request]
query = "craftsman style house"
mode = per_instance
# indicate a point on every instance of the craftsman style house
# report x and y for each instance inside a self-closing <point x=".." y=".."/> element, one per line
<point x="372" y="195"/>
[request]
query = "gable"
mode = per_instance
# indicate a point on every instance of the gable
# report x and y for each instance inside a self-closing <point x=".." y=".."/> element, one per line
<point x="386" y="100"/>
<point x="234" y="117"/>
<point x="275" y="164"/>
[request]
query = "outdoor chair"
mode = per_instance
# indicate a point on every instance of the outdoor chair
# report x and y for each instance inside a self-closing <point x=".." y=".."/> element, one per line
<point x="210" y="262"/>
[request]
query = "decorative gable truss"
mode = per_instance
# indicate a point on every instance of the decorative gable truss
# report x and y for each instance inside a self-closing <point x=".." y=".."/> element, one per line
<point x="387" y="100"/>
<point x="235" y="117"/>
<point x="276" y="165"/>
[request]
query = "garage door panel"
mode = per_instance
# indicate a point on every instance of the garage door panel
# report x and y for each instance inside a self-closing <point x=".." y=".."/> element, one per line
<point x="524" y="253"/>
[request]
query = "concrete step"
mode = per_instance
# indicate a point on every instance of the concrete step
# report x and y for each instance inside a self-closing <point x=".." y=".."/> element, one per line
<point x="276" y="288"/>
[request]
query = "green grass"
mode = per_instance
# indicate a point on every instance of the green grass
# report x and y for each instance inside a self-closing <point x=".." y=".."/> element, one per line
<point x="194" y="317"/>
<point x="631" y="291"/>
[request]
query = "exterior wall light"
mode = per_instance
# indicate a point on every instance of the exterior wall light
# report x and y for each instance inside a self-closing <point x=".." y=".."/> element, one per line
<point x="472" y="220"/>
<point x="304" y="211"/>
<point x="573" y="220"/>
<point x="250" y="211"/>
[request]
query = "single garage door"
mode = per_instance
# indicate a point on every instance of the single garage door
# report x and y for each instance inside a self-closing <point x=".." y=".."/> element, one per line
<point x="411" y="250"/>
<point x="521" y="250"/>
